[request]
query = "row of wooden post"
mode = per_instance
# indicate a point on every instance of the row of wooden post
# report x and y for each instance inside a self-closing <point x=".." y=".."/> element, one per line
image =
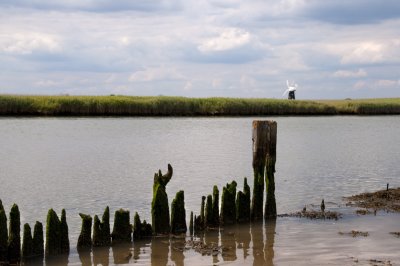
<point x="235" y="208"/>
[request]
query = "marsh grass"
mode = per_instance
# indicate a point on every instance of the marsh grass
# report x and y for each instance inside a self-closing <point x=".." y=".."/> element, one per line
<point x="181" y="106"/>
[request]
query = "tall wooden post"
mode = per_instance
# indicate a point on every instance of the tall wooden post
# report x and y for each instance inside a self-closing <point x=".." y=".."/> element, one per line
<point x="264" y="157"/>
<point x="270" y="203"/>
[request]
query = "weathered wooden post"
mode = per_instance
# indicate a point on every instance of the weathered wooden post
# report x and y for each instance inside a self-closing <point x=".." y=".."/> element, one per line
<point x="159" y="206"/>
<point x="3" y="234"/>
<point x="228" y="208"/>
<point x="243" y="204"/>
<point x="38" y="244"/>
<point x="191" y="224"/>
<point x="270" y="203"/>
<point x="14" y="237"/>
<point x="202" y="212"/>
<point x="264" y="157"/>
<point x="57" y="240"/>
<point x="27" y="243"/>
<point x="101" y="230"/>
<point x="85" y="237"/>
<point x="122" y="228"/>
<point x="215" y="208"/>
<point x="178" y="214"/>
<point x="209" y="212"/>
<point x="141" y="229"/>
<point x="64" y="238"/>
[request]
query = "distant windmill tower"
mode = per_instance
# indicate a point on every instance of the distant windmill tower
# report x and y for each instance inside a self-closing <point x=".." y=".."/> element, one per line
<point x="290" y="90"/>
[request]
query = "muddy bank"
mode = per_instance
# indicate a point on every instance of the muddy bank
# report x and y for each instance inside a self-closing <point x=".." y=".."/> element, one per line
<point x="371" y="202"/>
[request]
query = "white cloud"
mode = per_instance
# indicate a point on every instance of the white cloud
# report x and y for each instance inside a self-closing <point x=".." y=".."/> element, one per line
<point x="366" y="52"/>
<point x="156" y="74"/>
<point x="27" y="43"/>
<point x="350" y="74"/>
<point x="228" y="39"/>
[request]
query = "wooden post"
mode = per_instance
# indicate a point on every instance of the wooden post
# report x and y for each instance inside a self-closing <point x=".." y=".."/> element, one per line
<point x="264" y="157"/>
<point x="3" y="234"/>
<point x="270" y="203"/>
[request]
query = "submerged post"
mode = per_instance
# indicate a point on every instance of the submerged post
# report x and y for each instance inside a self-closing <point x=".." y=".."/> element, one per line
<point x="264" y="157"/>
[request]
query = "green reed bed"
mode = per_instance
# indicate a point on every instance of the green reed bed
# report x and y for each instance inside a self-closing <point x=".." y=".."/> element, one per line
<point x="181" y="106"/>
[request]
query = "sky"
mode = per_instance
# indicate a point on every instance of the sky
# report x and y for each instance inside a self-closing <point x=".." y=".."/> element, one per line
<point x="333" y="49"/>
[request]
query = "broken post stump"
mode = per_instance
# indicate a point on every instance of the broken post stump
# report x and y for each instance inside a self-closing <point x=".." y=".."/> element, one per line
<point x="27" y="243"/>
<point x="141" y="229"/>
<point x="215" y="207"/>
<point x="191" y="224"/>
<point x="101" y="230"/>
<point x="122" y="228"/>
<point x="243" y="204"/>
<point x="85" y="237"/>
<point x="264" y="157"/>
<point x="228" y="208"/>
<point x="159" y="205"/>
<point x="57" y="241"/>
<point x="178" y="214"/>
<point x="3" y="234"/>
<point x="209" y="212"/>
<point x="14" y="237"/>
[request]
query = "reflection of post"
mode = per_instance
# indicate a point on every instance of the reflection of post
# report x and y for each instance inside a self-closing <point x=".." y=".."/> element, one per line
<point x="270" y="226"/>
<point x="258" y="243"/>
<point x="84" y="257"/>
<point x="101" y="256"/>
<point x="137" y="246"/>
<point x="243" y="238"/>
<point x="211" y="240"/>
<point x="228" y="244"/>
<point x="159" y="251"/>
<point x="122" y="253"/>
<point x="177" y="247"/>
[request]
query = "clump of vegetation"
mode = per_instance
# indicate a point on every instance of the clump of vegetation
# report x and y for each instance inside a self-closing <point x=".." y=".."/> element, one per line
<point x="355" y="233"/>
<point x="387" y="200"/>
<point x="181" y="106"/>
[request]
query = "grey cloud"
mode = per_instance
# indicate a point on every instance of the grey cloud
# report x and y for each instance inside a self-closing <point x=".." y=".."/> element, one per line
<point x="95" y="5"/>
<point x="351" y="12"/>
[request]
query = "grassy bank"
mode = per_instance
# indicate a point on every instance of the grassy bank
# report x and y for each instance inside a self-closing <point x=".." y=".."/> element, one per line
<point x="181" y="106"/>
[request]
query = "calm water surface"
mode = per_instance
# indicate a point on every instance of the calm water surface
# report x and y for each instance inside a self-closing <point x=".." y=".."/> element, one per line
<point x="85" y="164"/>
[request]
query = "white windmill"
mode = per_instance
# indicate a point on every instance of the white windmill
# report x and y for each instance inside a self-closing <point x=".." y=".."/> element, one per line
<point x="292" y="87"/>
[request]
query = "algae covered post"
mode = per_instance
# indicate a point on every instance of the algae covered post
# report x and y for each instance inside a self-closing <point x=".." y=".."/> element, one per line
<point x="159" y="205"/>
<point x="264" y="158"/>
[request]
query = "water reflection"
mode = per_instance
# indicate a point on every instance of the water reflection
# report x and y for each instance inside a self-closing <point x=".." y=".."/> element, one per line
<point x="234" y="243"/>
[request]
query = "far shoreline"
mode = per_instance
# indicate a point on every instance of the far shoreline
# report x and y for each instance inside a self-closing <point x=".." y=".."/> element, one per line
<point x="171" y="106"/>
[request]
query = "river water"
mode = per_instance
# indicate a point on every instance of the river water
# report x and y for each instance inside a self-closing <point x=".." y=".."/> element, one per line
<point x="85" y="164"/>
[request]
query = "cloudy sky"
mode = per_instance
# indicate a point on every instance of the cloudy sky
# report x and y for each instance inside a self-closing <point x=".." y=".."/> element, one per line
<point x="235" y="48"/>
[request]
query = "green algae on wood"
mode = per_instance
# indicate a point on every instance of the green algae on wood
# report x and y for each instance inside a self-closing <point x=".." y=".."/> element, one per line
<point x="243" y="204"/>
<point x="209" y="218"/>
<point x="178" y="214"/>
<point x="14" y="237"/>
<point x="27" y="243"/>
<point x="270" y="202"/>
<point x="101" y="230"/>
<point x="85" y="237"/>
<point x="191" y="224"/>
<point x="37" y="241"/>
<point x="3" y="234"/>
<point x="228" y="208"/>
<point x="141" y="229"/>
<point x="57" y="240"/>
<point x="215" y="208"/>
<point x="122" y="229"/>
<point x="159" y="205"/>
